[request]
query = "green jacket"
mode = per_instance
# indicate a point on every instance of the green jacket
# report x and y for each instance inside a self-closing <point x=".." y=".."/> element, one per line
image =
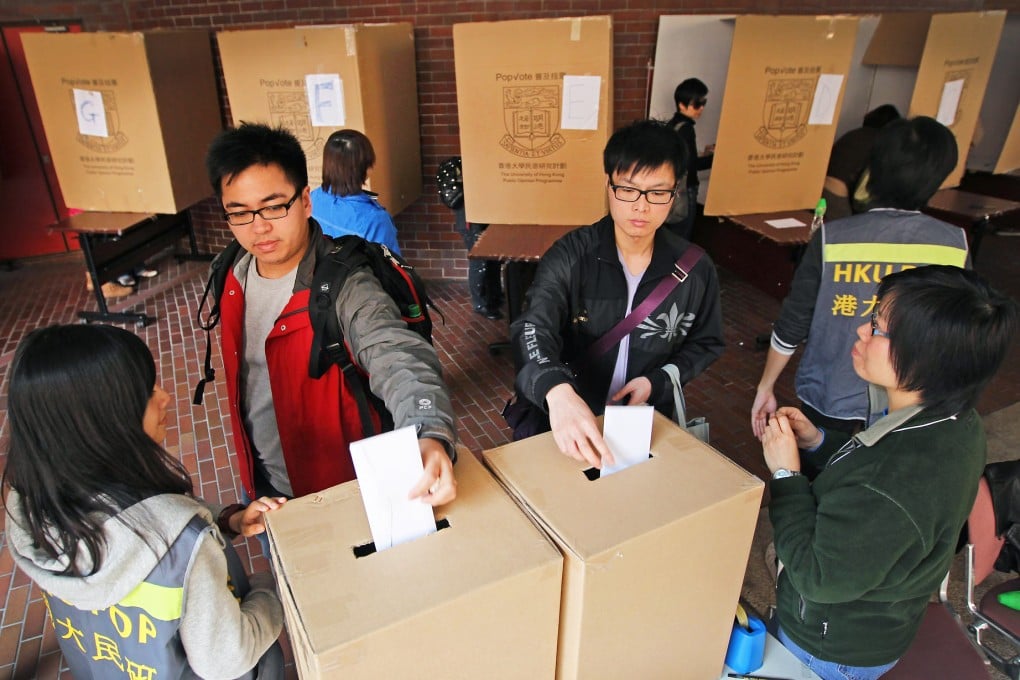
<point x="867" y="543"/>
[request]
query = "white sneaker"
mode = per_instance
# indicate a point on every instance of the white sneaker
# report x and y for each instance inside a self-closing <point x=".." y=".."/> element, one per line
<point x="146" y="272"/>
<point x="126" y="280"/>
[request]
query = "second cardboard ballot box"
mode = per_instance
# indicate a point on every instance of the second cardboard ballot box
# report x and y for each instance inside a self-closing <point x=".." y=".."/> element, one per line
<point x="654" y="554"/>
<point x="477" y="599"/>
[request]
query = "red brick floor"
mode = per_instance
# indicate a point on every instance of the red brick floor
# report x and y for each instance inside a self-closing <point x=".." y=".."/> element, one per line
<point x="51" y="291"/>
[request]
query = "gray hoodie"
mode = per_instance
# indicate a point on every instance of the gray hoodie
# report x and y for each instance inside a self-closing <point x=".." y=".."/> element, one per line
<point x="223" y="638"/>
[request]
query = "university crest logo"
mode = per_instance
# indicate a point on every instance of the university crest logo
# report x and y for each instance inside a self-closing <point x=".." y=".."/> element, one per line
<point x="289" y="109"/>
<point x="531" y="116"/>
<point x="785" y="112"/>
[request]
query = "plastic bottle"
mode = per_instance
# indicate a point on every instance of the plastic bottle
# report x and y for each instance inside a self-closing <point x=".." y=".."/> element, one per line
<point x="819" y="217"/>
<point x="1010" y="599"/>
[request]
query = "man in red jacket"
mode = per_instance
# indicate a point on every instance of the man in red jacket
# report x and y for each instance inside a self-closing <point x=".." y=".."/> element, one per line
<point x="292" y="432"/>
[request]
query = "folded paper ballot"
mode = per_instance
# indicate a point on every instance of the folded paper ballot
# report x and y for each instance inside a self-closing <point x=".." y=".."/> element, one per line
<point x="628" y="434"/>
<point x="388" y="465"/>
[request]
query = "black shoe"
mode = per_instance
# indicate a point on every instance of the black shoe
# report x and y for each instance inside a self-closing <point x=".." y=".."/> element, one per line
<point x="492" y="314"/>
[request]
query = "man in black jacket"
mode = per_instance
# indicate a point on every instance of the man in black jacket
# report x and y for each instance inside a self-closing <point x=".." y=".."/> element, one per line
<point x="593" y="277"/>
<point x="690" y="97"/>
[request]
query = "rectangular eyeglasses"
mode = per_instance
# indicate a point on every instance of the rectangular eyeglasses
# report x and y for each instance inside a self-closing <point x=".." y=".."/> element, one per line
<point x="270" y="212"/>
<point x="653" y="196"/>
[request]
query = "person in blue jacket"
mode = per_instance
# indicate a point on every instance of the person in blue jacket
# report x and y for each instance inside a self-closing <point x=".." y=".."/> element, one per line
<point x="340" y="205"/>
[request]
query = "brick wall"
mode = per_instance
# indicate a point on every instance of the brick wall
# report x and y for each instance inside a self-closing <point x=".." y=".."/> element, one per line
<point x="426" y="231"/>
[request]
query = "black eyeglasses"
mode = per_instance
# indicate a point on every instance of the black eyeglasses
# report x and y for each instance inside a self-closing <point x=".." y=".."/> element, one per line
<point x="875" y="330"/>
<point x="700" y="104"/>
<point x="270" y="212"/>
<point x="653" y="196"/>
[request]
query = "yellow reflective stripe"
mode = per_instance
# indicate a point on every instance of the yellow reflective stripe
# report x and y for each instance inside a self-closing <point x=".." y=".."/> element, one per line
<point x="160" y="602"/>
<point x="904" y="253"/>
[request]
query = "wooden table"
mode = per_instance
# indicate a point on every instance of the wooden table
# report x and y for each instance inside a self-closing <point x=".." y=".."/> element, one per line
<point x="973" y="212"/>
<point x="747" y="245"/>
<point x="114" y="242"/>
<point x="787" y="236"/>
<point x="520" y="246"/>
<point x="1005" y="185"/>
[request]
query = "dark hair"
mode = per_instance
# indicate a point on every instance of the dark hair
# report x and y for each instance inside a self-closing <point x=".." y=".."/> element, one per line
<point x="78" y="451"/>
<point x="346" y="158"/>
<point x="235" y="150"/>
<point x="689" y="91"/>
<point x="645" y="145"/>
<point x="909" y="161"/>
<point x="881" y="116"/>
<point x="948" y="333"/>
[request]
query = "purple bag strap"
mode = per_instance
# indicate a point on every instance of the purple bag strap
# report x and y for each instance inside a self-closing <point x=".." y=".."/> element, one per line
<point x="681" y="269"/>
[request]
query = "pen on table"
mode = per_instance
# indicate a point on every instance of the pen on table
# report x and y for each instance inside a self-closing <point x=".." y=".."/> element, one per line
<point x="754" y="677"/>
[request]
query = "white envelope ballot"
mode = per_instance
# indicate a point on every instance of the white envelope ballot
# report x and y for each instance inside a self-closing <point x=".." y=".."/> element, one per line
<point x="628" y="434"/>
<point x="388" y="465"/>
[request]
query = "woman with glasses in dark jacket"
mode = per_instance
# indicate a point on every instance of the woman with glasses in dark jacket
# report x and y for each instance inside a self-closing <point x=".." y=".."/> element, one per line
<point x="866" y="526"/>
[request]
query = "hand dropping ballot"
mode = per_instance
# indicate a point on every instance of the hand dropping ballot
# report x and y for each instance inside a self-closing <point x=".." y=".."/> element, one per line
<point x="388" y="465"/>
<point x="628" y="434"/>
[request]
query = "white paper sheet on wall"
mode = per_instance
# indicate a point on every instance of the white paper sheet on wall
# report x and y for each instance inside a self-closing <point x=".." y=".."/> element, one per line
<point x="950" y="102"/>
<point x="325" y="99"/>
<point x="823" y="108"/>
<point x="88" y="108"/>
<point x="388" y="465"/>
<point x="580" y="102"/>
<point x="628" y="434"/>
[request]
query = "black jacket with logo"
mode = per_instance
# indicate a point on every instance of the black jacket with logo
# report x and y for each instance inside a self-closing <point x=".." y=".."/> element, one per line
<point x="580" y="292"/>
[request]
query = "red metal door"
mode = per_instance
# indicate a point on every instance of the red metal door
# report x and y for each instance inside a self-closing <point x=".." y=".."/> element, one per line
<point x="29" y="192"/>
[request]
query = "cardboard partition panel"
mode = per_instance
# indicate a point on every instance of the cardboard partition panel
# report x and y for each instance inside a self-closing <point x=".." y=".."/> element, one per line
<point x="359" y="76"/>
<point x="1009" y="159"/>
<point x="693" y="46"/>
<point x="654" y="555"/>
<point x="783" y="95"/>
<point x="996" y="143"/>
<point x="128" y="116"/>
<point x="898" y="40"/>
<point x="477" y="599"/>
<point x="954" y="71"/>
<point x="534" y="101"/>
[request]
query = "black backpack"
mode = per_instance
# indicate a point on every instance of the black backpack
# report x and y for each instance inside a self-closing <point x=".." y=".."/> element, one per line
<point x="450" y="183"/>
<point x="346" y="255"/>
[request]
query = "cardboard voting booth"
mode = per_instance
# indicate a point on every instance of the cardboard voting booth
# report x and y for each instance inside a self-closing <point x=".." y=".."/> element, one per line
<point x="477" y="599"/>
<point x="534" y="101"/>
<point x="317" y="80"/>
<point x="784" y="89"/>
<point x="654" y="554"/>
<point x="958" y="55"/>
<point x="128" y="116"/>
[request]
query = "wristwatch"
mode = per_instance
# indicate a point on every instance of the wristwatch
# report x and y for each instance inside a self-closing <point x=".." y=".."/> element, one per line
<point x="783" y="473"/>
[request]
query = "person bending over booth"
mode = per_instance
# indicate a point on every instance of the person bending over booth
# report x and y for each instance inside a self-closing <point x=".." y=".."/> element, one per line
<point x="833" y="288"/>
<point x="106" y="523"/>
<point x="866" y="526"/>
<point x="341" y="206"/>
<point x="593" y="277"/>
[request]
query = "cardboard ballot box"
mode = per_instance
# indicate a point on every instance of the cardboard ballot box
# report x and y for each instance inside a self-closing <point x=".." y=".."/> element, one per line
<point x="320" y="79"/>
<point x="128" y="116"/>
<point x="477" y="599"/>
<point x="654" y="555"/>
<point x="534" y="103"/>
